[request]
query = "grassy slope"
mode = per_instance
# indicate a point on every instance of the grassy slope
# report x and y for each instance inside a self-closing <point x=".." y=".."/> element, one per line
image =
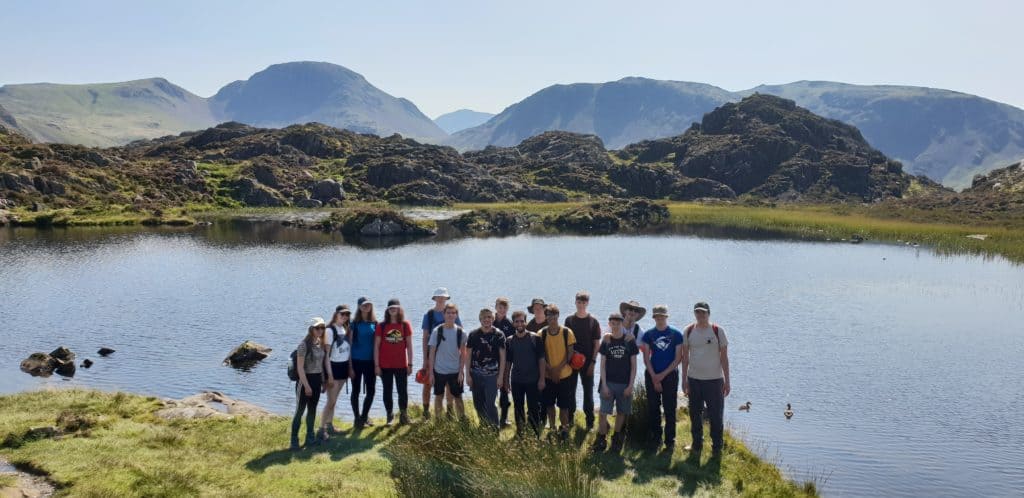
<point x="123" y="450"/>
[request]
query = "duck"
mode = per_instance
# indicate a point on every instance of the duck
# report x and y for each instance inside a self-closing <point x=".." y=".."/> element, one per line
<point x="745" y="407"/>
<point x="789" y="411"/>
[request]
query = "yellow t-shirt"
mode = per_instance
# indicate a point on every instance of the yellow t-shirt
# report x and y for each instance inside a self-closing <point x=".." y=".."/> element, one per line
<point x="554" y="348"/>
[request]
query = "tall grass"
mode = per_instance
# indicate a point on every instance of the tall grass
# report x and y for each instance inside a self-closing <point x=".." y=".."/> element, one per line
<point x="452" y="458"/>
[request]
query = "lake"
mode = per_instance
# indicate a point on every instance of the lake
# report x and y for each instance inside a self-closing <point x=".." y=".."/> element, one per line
<point x="903" y="366"/>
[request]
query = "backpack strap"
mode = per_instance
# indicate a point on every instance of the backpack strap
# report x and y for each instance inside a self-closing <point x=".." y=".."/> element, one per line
<point x="714" y="327"/>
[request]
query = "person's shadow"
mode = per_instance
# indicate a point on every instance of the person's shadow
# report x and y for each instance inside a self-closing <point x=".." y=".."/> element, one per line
<point x="338" y="446"/>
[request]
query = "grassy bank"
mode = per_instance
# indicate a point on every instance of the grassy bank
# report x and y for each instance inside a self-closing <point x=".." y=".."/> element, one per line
<point x="113" y="445"/>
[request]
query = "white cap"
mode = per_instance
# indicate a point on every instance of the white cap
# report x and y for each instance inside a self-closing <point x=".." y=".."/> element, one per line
<point x="441" y="292"/>
<point x="316" y="321"/>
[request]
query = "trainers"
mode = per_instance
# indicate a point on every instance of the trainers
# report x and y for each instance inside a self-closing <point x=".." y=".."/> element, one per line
<point x="600" y="444"/>
<point x="564" y="434"/>
<point x="367" y="422"/>
<point x="358" y="423"/>
<point x="716" y="452"/>
<point x="670" y="448"/>
<point x="390" y="418"/>
<point x="322" y="434"/>
<point x="403" y="419"/>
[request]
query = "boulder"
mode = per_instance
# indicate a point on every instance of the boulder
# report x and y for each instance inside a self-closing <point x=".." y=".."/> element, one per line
<point x="610" y="216"/>
<point x="327" y="190"/>
<point x="487" y="222"/>
<point x="38" y="365"/>
<point x="689" y="189"/>
<point x="266" y="175"/>
<point x="86" y="363"/>
<point x="62" y="353"/>
<point x="38" y="207"/>
<point x="371" y="222"/>
<point x="105" y="352"/>
<point x="308" y="203"/>
<point x="252" y="193"/>
<point x="247" y="354"/>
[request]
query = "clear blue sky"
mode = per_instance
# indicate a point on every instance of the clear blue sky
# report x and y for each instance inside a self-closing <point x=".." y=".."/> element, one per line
<point x="445" y="55"/>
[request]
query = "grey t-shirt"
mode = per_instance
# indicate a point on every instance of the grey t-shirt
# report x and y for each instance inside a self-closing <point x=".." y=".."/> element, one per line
<point x="523" y="353"/>
<point x="314" y="361"/>
<point x="705" y="348"/>
<point x="446" y="358"/>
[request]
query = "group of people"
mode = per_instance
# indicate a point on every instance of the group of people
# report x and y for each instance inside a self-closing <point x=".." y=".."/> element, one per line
<point x="531" y="365"/>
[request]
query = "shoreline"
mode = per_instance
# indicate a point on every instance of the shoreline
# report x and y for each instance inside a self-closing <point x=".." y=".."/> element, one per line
<point x="826" y="223"/>
<point x="248" y="454"/>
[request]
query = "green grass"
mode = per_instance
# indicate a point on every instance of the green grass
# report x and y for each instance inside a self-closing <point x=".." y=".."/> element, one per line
<point x="7" y="480"/>
<point x="114" y="446"/>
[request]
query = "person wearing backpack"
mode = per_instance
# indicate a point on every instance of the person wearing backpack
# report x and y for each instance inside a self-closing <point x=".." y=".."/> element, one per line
<point x="363" y="368"/>
<point x="705" y="361"/>
<point x="448" y="360"/>
<point x="587" y="330"/>
<point x="486" y="347"/>
<point x="431" y="319"/>
<point x="310" y="358"/>
<point x="339" y="354"/>
<point x="560" y="385"/>
<point x="662" y="347"/>
<point x="393" y="356"/>
<point x="632" y="313"/>
<point x="524" y="374"/>
<point x="539" y="321"/>
<point x="618" y="373"/>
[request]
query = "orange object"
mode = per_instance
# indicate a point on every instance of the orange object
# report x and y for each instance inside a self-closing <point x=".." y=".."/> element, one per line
<point x="577" y="361"/>
<point x="421" y="376"/>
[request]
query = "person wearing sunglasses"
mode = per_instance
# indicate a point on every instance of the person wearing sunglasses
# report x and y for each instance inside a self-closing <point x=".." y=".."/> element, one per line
<point x="310" y="358"/>
<point x="339" y="348"/>
<point x="364" y="326"/>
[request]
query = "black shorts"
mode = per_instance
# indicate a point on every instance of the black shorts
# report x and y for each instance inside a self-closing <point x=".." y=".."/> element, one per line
<point x="339" y="370"/>
<point x="450" y="380"/>
<point x="562" y="394"/>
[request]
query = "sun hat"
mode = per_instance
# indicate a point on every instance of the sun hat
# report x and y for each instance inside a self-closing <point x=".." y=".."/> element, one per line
<point x="660" y="309"/>
<point x="702" y="306"/>
<point x="393" y="303"/>
<point x="363" y="300"/>
<point x="632" y="305"/>
<point x="535" y="301"/>
<point x="317" y="321"/>
<point x="342" y="308"/>
<point x="441" y="292"/>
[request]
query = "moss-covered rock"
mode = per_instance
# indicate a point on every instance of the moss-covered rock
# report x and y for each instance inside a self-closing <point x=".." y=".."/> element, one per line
<point x="610" y="216"/>
<point x="487" y="222"/>
<point x="374" y="222"/>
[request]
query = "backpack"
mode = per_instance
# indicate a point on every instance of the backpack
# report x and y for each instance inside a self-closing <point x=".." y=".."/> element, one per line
<point x="460" y="334"/>
<point x="714" y="327"/>
<point x="293" y="365"/>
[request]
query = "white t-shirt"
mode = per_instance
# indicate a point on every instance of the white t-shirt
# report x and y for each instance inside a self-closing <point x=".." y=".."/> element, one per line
<point x="343" y="351"/>
<point x="705" y="352"/>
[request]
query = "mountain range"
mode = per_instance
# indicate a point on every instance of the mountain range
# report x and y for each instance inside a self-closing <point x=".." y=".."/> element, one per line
<point x="948" y="136"/>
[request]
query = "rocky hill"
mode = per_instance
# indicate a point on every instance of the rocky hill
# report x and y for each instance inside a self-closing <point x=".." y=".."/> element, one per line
<point x="762" y="147"/>
<point x="303" y="92"/>
<point x="461" y="119"/>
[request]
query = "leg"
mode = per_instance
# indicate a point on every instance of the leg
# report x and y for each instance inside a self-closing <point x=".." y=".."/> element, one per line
<point x="518" y="398"/>
<point x="670" y="401"/>
<point x="327" y="417"/>
<point x="653" y="409"/>
<point x="588" y="397"/>
<point x="490" y="397"/>
<point x="716" y="410"/>
<point x="300" y="406"/>
<point x="402" y="382"/>
<point x="370" y="383"/>
<point x="357" y="384"/>
<point x="478" y="398"/>
<point x="695" y="404"/>
<point x="387" y="378"/>
<point x="426" y="400"/>
<point x="504" y="403"/>
<point x="315" y="384"/>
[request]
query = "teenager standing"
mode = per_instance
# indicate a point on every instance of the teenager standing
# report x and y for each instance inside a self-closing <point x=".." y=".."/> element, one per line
<point x="524" y="374"/>
<point x="662" y="347"/>
<point x="364" y="326"/>
<point x="393" y="356"/>
<point x="339" y="354"/>
<point x="587" y="330"/>
<point x="309" y="365"/>
<point x="431" y="319"/>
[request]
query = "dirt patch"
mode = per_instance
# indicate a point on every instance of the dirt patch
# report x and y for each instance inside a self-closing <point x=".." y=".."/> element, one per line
<point x="24" y="485"/>
<point x="210" y="404"/>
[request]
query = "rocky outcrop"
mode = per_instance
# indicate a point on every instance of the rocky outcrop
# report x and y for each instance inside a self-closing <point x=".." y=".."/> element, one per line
<point x="210" y="404"/>
<point x="374" y="223"/>
<point x="252" y="193"/>
<point x="247" y="354"/>
<point x="486" y="222"/>
<point x="692" y="189"/>
<point x="60" y="361"/>
<point x="327" y="190"/>
<point x="610" y="216"/>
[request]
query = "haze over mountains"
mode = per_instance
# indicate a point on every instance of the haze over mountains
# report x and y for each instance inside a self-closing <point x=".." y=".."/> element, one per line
<point x="946" y="135"/>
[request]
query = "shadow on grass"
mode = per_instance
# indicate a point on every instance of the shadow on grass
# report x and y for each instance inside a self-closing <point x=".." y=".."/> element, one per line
<point x="338" y="446"/>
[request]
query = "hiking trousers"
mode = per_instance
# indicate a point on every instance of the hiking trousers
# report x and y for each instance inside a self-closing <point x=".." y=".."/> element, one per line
<point x="666" y="401"/>
<point x="706" y="392"/>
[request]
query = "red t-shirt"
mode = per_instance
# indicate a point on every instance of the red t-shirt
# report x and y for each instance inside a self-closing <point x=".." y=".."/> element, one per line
<point x="393" y="340"/>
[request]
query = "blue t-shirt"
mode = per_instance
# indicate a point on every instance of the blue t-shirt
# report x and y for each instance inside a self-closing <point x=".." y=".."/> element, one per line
<point x="662" y="344"/>
<point x="362" y="345"/>
<point x="438" y="320"/>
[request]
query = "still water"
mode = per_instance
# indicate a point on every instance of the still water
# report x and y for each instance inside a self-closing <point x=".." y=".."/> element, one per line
<point x="903" y="366"/>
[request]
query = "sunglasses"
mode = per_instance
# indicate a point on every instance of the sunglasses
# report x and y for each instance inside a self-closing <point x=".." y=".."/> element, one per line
<point x="320" y="327"/>
<point x="519" y="321"/>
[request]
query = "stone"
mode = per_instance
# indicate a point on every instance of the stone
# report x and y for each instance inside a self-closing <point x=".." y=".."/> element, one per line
<point x="252" y="193"/>
<point x="266" y="175"/>
<point x="327" y="190"/>
<point x="210" y="404"/>
<point x="690" y="189"/>
<point x="38" y="365"/>
<point x="308" y="203"/>
<point x="38" y="207"/>
<point x="247" y="354"/>
<point x="105" y="352"/>
<point x="63" y="353"/>
<point x="86" y="363"/>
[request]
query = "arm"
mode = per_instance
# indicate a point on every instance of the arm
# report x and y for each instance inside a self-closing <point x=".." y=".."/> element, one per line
<point x="463" y="364"/>
<point x="376" y="352"/>
<point x="327" y="363"/>
<point x="727" y="388"/>
<point x="632" y="375"/>
<point x="542" y="366"/>
<point x="300" y="367"/>
<point x="685" y="362"/>
<point x="501" y="366"/>
<point x="605" y="392"/>
<point x="408" y="349"/>
<point x="430" y="363"/>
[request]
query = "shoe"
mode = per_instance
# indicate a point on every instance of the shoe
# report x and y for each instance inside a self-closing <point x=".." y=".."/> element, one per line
<point x="600" y="444"/>
<point x="331" y="430"/>
<point x="505" y="423"/>
<point x="617" y="440"/>
<point x="426" y="415"/>
<point x="367" y="422"/>
<point x="321" y="435"/>
<point x="403" y="419"/>
<point x="564" y="434"/>
<point x="716" y="452"/>
<point x="656" y="443"/>
<point x="311" y="440"/>
<point x="590" y="425"/>
<point x="670" y="448"/>
<point x="390" y="418"/>
<point x="694" y="449"/>
<point x="294" y="446"/>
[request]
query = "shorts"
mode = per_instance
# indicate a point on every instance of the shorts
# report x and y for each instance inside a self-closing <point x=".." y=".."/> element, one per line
<point x="561" y="394"/>
<point x="450" y="380"/>
<point x="622" y="403"/>
<point x="339" y="370"/>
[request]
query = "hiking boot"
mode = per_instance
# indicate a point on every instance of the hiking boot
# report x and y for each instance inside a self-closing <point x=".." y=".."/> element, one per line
<point x="670" y="448"/>
<point x="426" y="415"/>
<point x="322" y="434"/>
<point x="403" y="419"/>
<point x="600" y="444"/>
<point x="716" y="452"/>
<point x="311" y="440"/>
<point x="563" y="434"/>
<point x="617" y="440"/>
<point x="331" y="430"/>
<point x="367" y="422"/>
<point x="390" y="418"/>
<point x="295" y="444"/>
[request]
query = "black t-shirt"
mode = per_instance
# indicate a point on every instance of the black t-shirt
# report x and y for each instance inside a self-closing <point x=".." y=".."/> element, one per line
<point x="485" y="350"/>
<point x="587" y="330"/>
<point x="523" y="353"/>
<point x="533" y="326"/>
<point x="505" y="325"/>
<point x="618" y="352"/>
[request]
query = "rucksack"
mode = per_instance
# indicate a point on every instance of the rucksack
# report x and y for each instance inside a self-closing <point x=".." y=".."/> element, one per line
<point x="714" y="328"/>
<point x="440" y="335"/>
<point x="293" y="365"/>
